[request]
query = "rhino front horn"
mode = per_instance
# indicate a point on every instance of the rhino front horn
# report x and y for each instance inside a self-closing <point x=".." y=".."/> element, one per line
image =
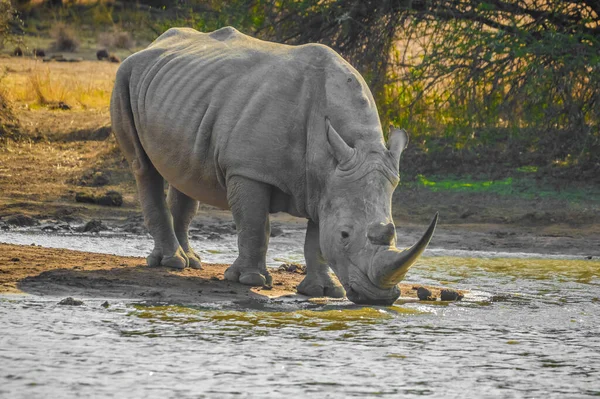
<point x="389" y="266"/>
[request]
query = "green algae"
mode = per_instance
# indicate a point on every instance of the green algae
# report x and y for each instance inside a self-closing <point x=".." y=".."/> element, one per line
<point x="581" y="271"/>
<point x="325" y="320"/>
<point x="521" y="185"/>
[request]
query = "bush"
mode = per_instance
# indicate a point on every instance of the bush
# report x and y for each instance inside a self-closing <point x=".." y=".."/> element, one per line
<point x="64" y="38"/>
<point x="116" y="39"/>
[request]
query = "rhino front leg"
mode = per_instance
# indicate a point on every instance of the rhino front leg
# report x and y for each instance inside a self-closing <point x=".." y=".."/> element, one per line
<point x="249" y="201"/>
<point x="167" y="251"/>
<point x="183" y="209"/>
<point x="318" y="281"/>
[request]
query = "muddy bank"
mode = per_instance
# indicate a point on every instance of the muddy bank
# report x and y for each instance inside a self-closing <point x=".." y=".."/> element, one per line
<point x="62" y="273"/>
<point x="212" y="229"/>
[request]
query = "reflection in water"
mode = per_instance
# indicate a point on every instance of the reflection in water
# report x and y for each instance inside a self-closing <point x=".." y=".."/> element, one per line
<point x="528" y="328"/>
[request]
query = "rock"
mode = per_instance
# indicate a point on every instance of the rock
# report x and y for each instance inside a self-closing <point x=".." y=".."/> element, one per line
<point x="70" y="302"/>
<point x="292" y="268"/>
<point x="94" y="179"/>
<point x="49" y="227"/>
<point x="85" y="198"/>
<point x="15" y="260"/>
<point x="111" y="198"/>
<point x="102" y="54"/>
<point x="223" y="229"/>
<point x="424" y="294"/>
<point x="105" y="304"/>
<point x="60" y="105"/>
<point x="214" y="236"/>
<point x="276" y="231"/>
<point x="94" y="226"/>
<point x="450" y="295"/>
<point x="22" y="221"/>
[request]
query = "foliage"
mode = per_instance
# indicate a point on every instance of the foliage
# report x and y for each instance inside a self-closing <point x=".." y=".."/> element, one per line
<point x="486" y="84"/>
<point x="514" y="81"/>
<point x="522" y="76"/>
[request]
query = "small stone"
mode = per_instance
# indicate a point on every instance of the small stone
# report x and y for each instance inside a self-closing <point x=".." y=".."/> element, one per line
<point x="105" y="304"/>
<point x="94" y="226"/>
<point x="69" y="301"/>
<point x="111" y="198"/>
<point x="85" y="198"/>
<point x="22" y="221"/>
<point x="214" y="236"/>
<point x="450" y="295"/>
<point x="215" y="278"/>
<point x="15" y="260"/>
<point x="424" y="294"/>
<point x="292" y="268"/>
<point x="276" y="231"/>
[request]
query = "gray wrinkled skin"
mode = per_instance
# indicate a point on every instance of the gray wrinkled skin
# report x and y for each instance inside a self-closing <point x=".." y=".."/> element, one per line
<point x="258" y="127"/>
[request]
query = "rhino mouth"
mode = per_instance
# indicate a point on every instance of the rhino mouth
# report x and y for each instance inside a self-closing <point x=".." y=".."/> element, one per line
<point x="362" y="291"/>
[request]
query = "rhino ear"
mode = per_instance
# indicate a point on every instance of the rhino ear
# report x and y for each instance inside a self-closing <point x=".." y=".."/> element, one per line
<point x="397" y="142"/>
<point x="340" y="150"/>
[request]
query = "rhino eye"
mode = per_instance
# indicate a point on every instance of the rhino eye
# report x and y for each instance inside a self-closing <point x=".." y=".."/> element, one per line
<point x="345" y="234"/>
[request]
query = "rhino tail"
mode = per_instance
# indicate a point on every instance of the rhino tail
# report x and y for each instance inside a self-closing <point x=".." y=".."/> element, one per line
<point x="123" y="124"/>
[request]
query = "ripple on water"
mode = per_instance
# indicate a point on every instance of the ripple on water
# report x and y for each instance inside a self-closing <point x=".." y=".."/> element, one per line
<point x="526" y="329"/>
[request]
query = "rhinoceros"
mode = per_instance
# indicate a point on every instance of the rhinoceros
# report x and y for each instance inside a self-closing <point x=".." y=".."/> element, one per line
<point x="259" y="127"/>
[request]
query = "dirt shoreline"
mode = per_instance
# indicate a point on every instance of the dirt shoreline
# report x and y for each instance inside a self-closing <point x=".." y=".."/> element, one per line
<point x="61" y="273"/>
<point x="210" y="223"/>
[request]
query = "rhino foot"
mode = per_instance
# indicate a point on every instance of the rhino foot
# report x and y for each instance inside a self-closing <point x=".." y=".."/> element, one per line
<point x="252" y="277"/>
<point x="194" y="259"/>
<point x="179" y="260"/>
<point x="319" y="286"/>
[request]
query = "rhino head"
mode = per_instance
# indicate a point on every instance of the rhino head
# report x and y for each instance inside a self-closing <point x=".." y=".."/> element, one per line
<point x="357" y="232"/>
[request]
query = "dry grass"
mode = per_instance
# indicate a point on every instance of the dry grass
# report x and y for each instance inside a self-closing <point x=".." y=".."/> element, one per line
<point x="58" y="146"/>
<point x="31" y="83"/>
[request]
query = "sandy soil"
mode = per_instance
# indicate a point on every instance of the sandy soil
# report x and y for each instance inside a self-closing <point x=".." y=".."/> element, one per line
<point x="60" y="273"/>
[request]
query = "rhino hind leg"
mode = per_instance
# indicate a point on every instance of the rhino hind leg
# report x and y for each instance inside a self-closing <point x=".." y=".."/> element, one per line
<point x="167" y="251"/>
<point x="249" y="201"/>
<point x="183" y="209"/>
<point x="318" y="281"/>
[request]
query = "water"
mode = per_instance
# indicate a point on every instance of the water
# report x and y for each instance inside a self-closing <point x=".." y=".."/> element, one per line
<point x="528" y="328"/>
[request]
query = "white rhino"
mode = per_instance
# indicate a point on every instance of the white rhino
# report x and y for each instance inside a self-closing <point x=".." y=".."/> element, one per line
<point x="248" y="125"/>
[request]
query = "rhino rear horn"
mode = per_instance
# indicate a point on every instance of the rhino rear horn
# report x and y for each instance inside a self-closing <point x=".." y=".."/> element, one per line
<point x="341" y="151"/>
<point x="397" y="142"/>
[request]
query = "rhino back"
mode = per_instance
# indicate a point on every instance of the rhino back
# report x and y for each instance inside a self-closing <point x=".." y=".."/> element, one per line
<point x="211" y="106"/>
